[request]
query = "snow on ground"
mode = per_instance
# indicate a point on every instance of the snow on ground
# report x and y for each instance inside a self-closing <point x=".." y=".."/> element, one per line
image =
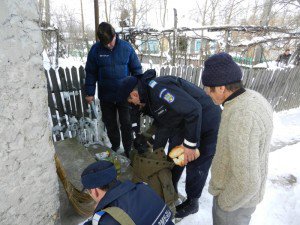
<point x="286" y="128"/>
<point x="272" y="65"/>
<point x="63" y="62"/>
<point x="281" y="203"/>
<point x="74" y="61"/>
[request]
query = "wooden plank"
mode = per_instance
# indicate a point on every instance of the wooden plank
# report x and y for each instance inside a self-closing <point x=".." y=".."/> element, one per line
<point x="245" y="77"/>
<point x="62" y="77"/>
<point x="55" y="86"/>
<point x="194" y="74"/>
<point x="83" y="94"/>
<point x="162" y="71"/>
<point x="269" y="85"/>
<point x="75" y="78"/>
<point x="58" y="100"/>
<point x="52" y="109"/>
<point x="178" y="74"/>
<point x="61" y="113"/>
<point x="265" y="82"/>
<point x="77" y="87"/>
<point x="197" y="80"/>
<point x="184" y="71"/>
<point x="49" y="86"/>
<point x="71" y="91"/>
<point x="65" y="92"/>
<point x="283" y="90"/>
<point x="295" y="84"/>
<point x="273" y="99"/>
<point x="173" y="71"/>
<point x="258" y="81"/>
<point x="249" y="80"/>
<point x="167" y="71"/>
<point x="296" y="88"/>
<point x="277" y="98"/>
<point x="189" y="73"/>
<point x="292" y="89"/>
<point x="55" y="128"/>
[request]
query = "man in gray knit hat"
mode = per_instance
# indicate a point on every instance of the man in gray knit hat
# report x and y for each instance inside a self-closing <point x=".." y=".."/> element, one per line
<point x="239" y="168"/>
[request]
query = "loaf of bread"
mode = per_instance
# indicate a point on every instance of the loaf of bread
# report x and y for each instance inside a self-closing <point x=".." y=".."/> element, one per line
<point x="177" y="154"/>
<point x="179" y="161"/>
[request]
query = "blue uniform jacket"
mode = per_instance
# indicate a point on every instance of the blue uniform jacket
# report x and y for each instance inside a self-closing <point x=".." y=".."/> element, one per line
<point x="176" y="103"/>
<point x="139" y="201"/>
<point x="109" y="67"/>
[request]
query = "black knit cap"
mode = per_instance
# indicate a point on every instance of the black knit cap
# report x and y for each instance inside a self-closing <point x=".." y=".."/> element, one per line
<point x="219" y="70"/>
<point x="105" y="33"/>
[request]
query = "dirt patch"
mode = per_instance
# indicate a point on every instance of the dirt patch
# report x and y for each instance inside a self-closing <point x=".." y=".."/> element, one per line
<point x="288" y="180"/>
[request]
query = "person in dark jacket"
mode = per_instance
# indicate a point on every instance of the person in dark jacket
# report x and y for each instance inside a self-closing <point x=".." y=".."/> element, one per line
<point x="283" y="59"/>
<point x="108" y="62"/>
<point x="117" y="201"/>
<point x="184" y="115"/>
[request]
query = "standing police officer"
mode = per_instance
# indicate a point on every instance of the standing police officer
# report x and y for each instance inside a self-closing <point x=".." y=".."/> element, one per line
<point x="122" y="203"/>
<point x="184" y="115"/>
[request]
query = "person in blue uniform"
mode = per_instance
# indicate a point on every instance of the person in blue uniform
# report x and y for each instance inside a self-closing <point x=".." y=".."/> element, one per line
<point x="184" y="115"/>
<point x="137" y="203"/>
<point x="108" y="62"/>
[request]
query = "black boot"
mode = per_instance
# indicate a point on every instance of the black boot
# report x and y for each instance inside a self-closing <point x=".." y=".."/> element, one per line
<point x="189" y="206"/>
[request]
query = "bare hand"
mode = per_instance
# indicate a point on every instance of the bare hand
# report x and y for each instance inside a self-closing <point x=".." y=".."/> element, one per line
<point x="189" y="155"/>
<point x="89" y="99"/>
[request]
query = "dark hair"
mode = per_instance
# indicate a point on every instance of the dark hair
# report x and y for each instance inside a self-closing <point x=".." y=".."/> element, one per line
<point x="234" y="86"/>
<point x="105" y="33"/>
<point x="108" y="186"/>
<point x="231" y="87"/>
<point x="134" y="89"/>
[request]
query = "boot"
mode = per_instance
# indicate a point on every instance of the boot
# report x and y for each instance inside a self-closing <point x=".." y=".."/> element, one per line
<point x="189" y="206"/>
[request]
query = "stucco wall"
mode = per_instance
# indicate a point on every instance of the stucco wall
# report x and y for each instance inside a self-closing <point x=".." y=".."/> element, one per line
<point x="28" y="180"/>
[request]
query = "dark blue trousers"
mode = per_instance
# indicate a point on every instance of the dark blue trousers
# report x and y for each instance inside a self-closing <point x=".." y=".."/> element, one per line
<point x="110" y="110"/>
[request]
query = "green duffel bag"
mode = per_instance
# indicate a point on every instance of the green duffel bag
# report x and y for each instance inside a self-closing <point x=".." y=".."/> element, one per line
<point x="154" y="169"/>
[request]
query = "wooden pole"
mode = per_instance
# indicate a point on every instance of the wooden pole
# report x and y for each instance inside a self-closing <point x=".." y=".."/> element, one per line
<point x="174" y="37"/>
<point x="227" y="37"/>
<point x="96" y="8"/>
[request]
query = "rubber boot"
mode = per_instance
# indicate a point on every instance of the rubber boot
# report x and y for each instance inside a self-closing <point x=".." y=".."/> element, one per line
<point x="189" y="206"/>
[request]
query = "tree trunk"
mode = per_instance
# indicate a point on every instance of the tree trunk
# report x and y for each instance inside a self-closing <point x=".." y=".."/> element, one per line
<point x="84" y="37"/>
<point x="41" y="11"/>
<point x="96" y="9"/>
<point x="264" y="22"/>
<point x="47" y="13"/>
<point x="106" y="11"/>
<point x="165" y="12"/>
<point x="203" y="24"/>
<point x="163" y="25"/>
<point x="133" y="12"/>
<point x="174" y="37"/>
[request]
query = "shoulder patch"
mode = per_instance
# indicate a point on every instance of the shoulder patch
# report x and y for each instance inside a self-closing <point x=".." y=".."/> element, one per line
<point x="162" y="91"/>
<point x="152" y="83"/>
<point x="169" y="97"/>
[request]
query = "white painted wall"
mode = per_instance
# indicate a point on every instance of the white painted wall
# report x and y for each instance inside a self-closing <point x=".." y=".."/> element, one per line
<point x="28" y="180"/>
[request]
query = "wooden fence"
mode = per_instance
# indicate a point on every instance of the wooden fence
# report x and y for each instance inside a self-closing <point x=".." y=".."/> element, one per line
<point x="280" y="87"/>
<point x="66" y="100"/>
<point x="70" y="112"/>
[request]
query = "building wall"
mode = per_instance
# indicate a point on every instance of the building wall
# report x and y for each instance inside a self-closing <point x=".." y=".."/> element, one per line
<point x="28" y="180"/>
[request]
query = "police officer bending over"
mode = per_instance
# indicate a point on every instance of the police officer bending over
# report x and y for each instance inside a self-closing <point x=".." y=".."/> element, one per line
<point x="122" y="203"/>
<point x="184" y="115"/>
